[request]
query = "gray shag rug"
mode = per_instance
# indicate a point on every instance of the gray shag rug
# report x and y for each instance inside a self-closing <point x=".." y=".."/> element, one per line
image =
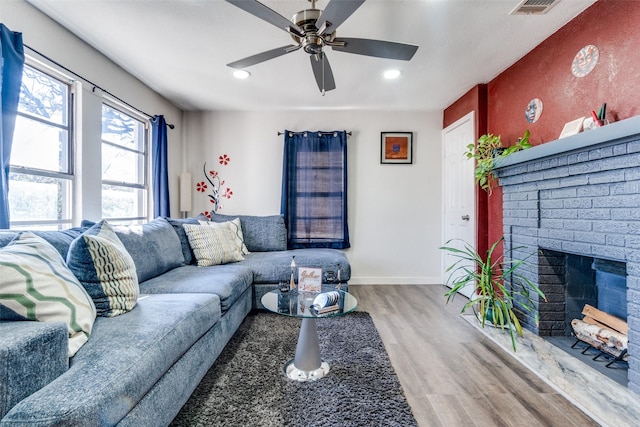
<point x="247" y="386"/>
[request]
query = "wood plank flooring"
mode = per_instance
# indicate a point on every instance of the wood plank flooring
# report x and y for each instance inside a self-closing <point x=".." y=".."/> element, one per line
<point x="453" y="375"/>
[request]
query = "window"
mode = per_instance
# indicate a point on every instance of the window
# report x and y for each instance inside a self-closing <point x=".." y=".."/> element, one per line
<point x="124" y="166"/>
<point x="314" y="190"/>
<point x="41" y="164"/>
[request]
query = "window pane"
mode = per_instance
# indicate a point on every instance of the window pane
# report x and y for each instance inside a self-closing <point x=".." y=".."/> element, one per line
<point x="44" y="97"/>
<point x="40" y="146"/>
<point x="122" y="202"/>
<point x="122" y="165"/>
<point x="37" y="198"/>
<point x="119" y="128"/>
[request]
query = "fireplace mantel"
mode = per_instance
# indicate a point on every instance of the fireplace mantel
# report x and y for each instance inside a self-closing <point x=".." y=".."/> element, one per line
<point x="606" y="135"/>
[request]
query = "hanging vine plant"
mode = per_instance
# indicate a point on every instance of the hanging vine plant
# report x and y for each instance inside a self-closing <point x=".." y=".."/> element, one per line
<point x="487" y="151"/>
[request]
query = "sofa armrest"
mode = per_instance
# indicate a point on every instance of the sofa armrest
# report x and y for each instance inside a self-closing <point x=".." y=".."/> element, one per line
<point x="32" y="354"/>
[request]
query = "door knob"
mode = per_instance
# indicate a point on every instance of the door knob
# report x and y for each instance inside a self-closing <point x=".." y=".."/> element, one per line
<point x="465" y="217"/>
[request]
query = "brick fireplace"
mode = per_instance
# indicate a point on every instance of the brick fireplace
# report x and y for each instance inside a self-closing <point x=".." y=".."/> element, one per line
<point x="574" y="203"/>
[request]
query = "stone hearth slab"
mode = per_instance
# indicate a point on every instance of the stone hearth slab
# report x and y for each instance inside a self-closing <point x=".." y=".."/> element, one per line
<point x="603" y="399"/>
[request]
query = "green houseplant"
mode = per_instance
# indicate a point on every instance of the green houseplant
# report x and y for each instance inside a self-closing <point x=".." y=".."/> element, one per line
<point x="493" y="301"/>
<point x="487" y="151"/>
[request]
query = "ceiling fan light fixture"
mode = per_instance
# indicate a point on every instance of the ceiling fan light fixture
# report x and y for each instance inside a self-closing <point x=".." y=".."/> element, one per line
<point x="392" y="74"/>
<point x="241" y="74"/>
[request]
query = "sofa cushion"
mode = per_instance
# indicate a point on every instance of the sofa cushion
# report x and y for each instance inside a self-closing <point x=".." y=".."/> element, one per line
<point x="155" y="247"/>
<point x="123" y="360"/>
<point x="105" y="268"/>
<point x="33" y="354"/>
<point x="273" y="267"/>
<point x="227" y="281"/>
<point x="177" y="223"/>
<point x="212" y="245"/>
<point x="261" y="233"/>
<point x="37" y="285"/>
<point x="236" y="229"/>
<point x="58" y="239"/>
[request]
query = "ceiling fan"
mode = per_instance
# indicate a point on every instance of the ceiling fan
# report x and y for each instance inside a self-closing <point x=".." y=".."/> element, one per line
<point x="312" y="29"/>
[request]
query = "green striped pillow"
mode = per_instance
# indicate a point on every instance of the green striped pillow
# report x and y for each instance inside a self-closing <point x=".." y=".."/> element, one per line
<point x="36" y="284"/>
<point x="212" y="245"/>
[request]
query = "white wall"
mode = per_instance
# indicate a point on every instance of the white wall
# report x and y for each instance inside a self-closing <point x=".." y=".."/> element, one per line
<point x="394" y="210"/>
<point x="44" y="35"/>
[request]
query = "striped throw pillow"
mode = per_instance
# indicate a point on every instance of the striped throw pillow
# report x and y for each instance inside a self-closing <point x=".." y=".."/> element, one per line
<point x="35" y="284"/>
<point x="106" y="270"/>
<point x="235" y="227"/>
<point x="212" y="245"/>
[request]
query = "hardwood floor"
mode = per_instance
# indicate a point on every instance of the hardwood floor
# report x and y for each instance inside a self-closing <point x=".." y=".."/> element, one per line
<point x="453" y="375"/>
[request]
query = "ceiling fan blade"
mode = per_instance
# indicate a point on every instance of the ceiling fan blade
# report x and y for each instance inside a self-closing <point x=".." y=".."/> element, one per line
<point x="256" y="8"/>
<point x="322" y="72"/>
<point x="336" y="12"/>
<point x="264" y="56"/>
<point x="377" y="48"/>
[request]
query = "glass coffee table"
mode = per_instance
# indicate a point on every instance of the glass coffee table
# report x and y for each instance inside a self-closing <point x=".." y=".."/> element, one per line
<point x="307" y="364"/>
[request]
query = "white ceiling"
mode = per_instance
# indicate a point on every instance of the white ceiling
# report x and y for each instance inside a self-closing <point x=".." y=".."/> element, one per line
<point x="180" y="49"/>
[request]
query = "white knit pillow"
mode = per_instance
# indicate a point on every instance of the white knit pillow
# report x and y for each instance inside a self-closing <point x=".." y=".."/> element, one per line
<point x="236" y="227"/>
<point x="212" y="245"/>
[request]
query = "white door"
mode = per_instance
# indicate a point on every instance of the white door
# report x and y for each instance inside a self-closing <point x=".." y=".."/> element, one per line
<point x="458" y="191"/>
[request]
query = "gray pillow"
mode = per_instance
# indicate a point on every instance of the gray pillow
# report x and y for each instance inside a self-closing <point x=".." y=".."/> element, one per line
<point x="58" y="239"/>
<point x="261" y="233"/>
<point x="155" y="247"/>
<point x="177" y="223"/>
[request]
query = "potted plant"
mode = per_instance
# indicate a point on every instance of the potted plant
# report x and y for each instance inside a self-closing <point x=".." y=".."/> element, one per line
<point x="492" y="300"/>
<point x="487" y="151"/>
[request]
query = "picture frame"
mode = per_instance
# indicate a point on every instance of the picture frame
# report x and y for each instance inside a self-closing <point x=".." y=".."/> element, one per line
<point x="573" y="127"/>
<point x="396" y="148"/>
<point x="309" y="279"/>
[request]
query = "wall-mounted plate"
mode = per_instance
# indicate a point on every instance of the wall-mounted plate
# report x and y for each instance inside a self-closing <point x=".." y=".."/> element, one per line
<point x="534" y="110"/>
<point x="585" y="60"/>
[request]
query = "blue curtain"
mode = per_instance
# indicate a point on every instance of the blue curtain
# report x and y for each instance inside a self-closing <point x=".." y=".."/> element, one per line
<point x="314" y="189"/>
<point x="11" y="64"/>
<point x="160" y="173"/>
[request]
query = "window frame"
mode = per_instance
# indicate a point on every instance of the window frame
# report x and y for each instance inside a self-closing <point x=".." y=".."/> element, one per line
<point x="145" y="186"/>
<point x="70" y="174"/>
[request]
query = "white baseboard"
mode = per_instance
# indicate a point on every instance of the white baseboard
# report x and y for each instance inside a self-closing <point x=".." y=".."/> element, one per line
<point x="395" y="281"/>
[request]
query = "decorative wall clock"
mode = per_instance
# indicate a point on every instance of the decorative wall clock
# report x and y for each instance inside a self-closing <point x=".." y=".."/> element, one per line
<point x="534" y="110"/>
<point x="585" y="60"/>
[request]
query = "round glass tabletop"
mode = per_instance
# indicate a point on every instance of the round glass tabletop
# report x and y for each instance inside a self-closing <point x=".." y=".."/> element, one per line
<point x="328" y="303"/>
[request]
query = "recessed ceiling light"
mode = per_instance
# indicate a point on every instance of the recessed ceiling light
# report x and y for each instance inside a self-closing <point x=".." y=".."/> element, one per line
<point x="241" y="74"/>
<point x="391" y="74"/>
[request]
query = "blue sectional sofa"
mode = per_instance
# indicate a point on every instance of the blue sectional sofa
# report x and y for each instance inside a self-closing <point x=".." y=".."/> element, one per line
<point x="140" y="367"/>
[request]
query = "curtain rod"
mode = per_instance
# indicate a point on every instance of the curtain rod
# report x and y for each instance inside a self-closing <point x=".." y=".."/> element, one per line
<point x="300" y="133"/>
<point x="95" y="86"/>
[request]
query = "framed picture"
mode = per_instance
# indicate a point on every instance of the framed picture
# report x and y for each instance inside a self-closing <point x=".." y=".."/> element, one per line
<point x="396" y="147"/>
<point x="572" y="128"/>
<point x="309" y="279"/>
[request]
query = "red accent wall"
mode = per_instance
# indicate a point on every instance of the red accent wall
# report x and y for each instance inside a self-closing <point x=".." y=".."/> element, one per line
<point x="545" y="73"/>
<point x="475" y="100"/>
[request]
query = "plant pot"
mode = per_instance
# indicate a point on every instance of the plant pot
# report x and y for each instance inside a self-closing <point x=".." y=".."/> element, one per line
<point x="496" y="152"/>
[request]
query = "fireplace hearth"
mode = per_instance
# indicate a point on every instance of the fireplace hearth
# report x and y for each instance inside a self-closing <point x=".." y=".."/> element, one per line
<point x="572" y="207"/>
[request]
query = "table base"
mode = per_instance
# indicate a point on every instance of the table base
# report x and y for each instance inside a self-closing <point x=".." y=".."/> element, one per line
<point x="296" y="374"/>
<point x="307" y="365"/>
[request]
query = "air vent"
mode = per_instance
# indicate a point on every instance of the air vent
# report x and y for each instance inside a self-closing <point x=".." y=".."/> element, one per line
<point x="534" y="7"/>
